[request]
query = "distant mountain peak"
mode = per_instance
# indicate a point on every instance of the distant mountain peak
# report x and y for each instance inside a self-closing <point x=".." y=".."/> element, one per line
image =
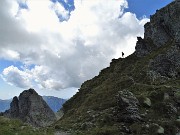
<point x="54" y="102"/>
<point x="31" y="108"/>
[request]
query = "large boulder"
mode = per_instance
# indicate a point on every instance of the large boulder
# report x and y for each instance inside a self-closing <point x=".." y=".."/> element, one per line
<point x="127" y="107"/>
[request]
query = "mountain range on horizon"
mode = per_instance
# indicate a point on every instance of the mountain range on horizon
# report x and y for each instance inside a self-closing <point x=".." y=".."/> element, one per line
<point x="54" y="103"/>
<point x="5" y="104"/>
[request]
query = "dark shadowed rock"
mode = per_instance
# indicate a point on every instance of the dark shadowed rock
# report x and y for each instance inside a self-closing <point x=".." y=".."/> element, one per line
<point x="163" y="27"/>
<point x="144" y="47"/>
<point x="31" y="108"/>
<point x="165" y="66"/>
<point x="14" y="111"/>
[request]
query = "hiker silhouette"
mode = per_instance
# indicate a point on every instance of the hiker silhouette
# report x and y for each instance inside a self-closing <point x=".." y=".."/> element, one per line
<point x="122" y="54"/>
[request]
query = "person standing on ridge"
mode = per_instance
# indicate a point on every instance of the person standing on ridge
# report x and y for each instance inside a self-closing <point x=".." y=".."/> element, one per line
<point x="122" y="54"/>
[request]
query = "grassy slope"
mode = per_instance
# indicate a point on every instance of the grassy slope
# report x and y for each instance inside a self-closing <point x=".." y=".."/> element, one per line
<point x="92" y="107"/>
<point x="16" y="127"/>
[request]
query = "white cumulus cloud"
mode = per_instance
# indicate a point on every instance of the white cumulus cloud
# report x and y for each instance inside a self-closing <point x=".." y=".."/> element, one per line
<point x="64" y="53"/>
<point x="16" y="77"/>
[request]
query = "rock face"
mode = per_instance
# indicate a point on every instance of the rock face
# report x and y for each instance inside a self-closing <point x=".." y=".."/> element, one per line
<point x="139" y="94"/>
<point x="14" y="111"/>
<point x="31" y="108"/>
<point x="162" y="35"/>
<point x="163" y="27"/>
<point x="167" y="64"/>
<point x="54" y="103"/>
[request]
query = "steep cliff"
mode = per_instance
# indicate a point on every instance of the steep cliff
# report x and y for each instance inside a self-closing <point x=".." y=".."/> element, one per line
<point x="139" y="94"/>
<point x="31" y="108"/>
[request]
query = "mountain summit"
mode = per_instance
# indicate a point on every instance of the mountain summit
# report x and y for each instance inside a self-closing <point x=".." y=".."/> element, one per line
<point x="136" y="95"/>
<point x="31" y="108"/>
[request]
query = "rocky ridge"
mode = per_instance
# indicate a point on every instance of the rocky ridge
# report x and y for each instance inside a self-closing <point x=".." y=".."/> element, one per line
<point x="31" y="108"/>
<point x="136" y="95"/>
<point x="54" y="103"/>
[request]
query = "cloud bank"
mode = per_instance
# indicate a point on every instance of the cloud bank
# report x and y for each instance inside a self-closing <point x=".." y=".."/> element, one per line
<point x="64" y="53"/>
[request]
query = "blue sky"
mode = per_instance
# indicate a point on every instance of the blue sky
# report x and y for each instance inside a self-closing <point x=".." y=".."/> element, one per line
<point x="57" y="45"/>
<point x="146" y="7"/>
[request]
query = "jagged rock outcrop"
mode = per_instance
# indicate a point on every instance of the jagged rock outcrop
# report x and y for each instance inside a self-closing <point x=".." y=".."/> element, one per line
<point x="139" y="94"/>
<point x="31" y="108"/>
<point x="162" y="38"/>
<point x="14" y="111"/>
<point x="163" y="27"/>
<point x="54" y="103"/>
